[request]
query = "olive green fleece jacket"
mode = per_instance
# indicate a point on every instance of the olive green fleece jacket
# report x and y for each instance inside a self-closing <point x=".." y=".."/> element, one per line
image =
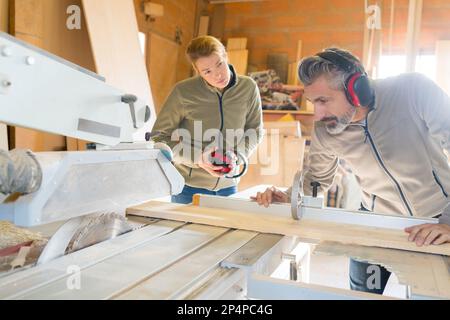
<point x="195" y="108"/>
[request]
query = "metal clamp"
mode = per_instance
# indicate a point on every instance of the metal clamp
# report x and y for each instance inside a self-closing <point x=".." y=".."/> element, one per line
<point x="130" y="100"/>
<point x="297" y="195"/>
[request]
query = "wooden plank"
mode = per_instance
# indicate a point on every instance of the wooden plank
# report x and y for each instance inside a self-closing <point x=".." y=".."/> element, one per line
<point x="239" y="59"/>
<point x="113" y="32"/>
<point x="107" y="278"/>
<point x="203" y="27"/>
<point x="236" y="44"/>
<point x="177" y="278"/>
<point x="293" y="74"/>
<point x="299" y="51"/>
<point x="162" y="79"/>
<point x="426" y="274"/>
<point x="306" y="229"/>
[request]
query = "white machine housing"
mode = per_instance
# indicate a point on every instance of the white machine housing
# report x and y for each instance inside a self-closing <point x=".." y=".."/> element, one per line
<point x="41" y="91"/>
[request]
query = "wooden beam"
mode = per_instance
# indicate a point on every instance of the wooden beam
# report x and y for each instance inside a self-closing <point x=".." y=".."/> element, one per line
<point x="443" y="63"/>
<point x="413" y="33"/>
<point x="203" y="27"/>
<point x="306" y="229"/>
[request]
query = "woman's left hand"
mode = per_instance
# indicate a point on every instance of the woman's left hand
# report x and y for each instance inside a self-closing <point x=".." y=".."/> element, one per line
<point x="426" y="234"/>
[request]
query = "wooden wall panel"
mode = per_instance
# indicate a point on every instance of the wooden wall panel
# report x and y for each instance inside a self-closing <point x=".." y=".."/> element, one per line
<point x="162" y="75"/>
<point x="4" y="15"/>
<point x="179" y="25"/>
<point x="114" y="36"/>
<point x="43" y="23"/>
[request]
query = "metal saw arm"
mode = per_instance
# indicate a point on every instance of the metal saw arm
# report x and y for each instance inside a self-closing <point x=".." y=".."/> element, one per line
<point x="44" y="92"/>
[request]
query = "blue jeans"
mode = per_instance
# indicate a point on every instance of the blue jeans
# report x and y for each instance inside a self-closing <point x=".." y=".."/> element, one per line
<point x="367" y="277"/>
<point x="185" y="197"/>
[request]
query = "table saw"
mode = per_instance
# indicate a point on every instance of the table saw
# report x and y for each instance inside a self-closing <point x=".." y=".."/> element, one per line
<point x="105" y="240"/>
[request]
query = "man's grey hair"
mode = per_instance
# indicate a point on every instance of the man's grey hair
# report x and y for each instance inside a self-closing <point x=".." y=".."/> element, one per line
<point x="313" y="67"/>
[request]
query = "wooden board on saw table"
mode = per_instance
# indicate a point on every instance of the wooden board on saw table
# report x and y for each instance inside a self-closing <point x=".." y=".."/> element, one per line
<point x="305" y="228"/>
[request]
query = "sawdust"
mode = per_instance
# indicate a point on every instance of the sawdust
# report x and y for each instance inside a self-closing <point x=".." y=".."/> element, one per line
<point x="10" y="235"/>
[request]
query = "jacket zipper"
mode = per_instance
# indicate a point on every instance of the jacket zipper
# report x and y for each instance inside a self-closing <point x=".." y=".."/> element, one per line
<point x="221" y="111"/>
<point x="402" y="195"/>
<point x="374" y="197"/>
<point x="221" y="126"/>
<point x="190" y="173"/>
<point x="436" y="178"/>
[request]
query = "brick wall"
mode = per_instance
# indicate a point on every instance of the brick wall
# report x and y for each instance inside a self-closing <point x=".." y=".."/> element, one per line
<point x="275" y="26"/>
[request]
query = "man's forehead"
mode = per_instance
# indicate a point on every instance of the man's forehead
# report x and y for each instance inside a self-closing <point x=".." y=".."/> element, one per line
<point x="319" y="88"/>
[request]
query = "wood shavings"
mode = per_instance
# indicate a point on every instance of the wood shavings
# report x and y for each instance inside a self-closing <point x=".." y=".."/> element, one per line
<point x="10" y="235"/>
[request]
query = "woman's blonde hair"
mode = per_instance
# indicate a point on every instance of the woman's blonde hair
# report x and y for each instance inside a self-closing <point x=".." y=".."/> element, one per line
<point x="204" y="46"/>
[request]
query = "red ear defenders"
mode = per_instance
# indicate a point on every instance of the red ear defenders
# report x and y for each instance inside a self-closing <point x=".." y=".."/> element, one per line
<point x="357" y="87"/>
<point x="224" y="160"/>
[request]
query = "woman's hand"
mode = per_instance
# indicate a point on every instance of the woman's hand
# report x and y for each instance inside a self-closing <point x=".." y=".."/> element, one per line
<point x="206" y="164"/>
<point x="426" y="234"/>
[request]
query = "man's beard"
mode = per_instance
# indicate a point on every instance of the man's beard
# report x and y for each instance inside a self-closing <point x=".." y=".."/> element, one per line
<point x="337" y="125"/>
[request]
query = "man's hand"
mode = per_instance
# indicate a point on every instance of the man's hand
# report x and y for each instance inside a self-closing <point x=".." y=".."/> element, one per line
<point x="270" y="195"/>
<point x="206" y="165"/>
<point x="426" y="234"/>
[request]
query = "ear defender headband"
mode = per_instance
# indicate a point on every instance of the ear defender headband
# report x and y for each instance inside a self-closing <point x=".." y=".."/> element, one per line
<point x="357" y="86"/>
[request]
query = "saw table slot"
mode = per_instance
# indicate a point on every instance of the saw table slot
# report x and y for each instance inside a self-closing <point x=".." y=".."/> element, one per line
<point x="173" y="280"/>
<point x="34" y="278"/>
<point x="107" y="278"/>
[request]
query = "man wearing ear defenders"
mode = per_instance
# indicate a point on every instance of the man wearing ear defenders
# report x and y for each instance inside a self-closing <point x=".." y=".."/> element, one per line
<point x="392" y="133"/>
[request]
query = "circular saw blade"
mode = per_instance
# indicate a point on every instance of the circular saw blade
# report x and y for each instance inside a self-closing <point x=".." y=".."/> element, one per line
<point x="96" y="228"/>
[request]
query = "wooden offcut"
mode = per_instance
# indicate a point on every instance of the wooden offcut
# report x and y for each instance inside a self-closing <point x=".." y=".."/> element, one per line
<point x="305" y="229"/>
<point x="236" y="44"/>
<point x="153" y="10"/>
<point x="239" y="59"/>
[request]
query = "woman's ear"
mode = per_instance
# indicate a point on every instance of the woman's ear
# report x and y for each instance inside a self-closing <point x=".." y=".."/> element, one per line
<point x="195" y="69"/>
<point x="225" y="57"/>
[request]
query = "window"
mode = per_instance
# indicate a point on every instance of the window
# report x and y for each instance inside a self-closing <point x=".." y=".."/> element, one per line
<point x="143" y="42"/>
<point x="392" y="65"/>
